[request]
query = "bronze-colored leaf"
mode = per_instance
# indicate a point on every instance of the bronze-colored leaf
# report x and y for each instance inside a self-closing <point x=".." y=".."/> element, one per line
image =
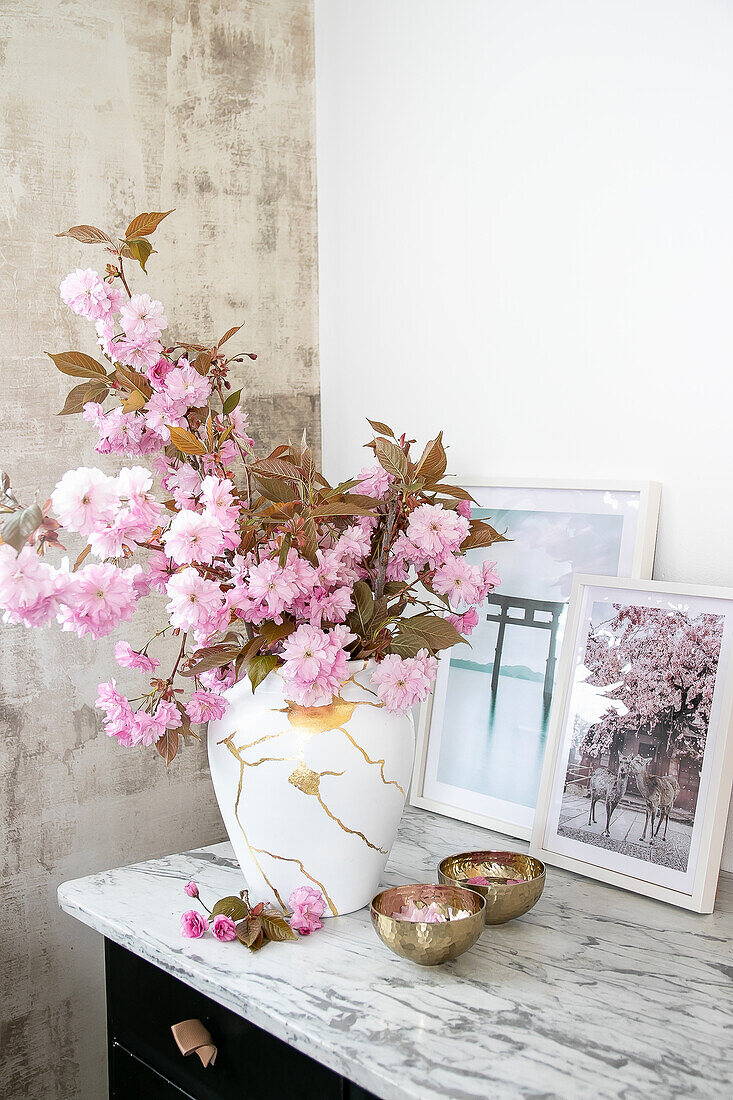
<point x="77" y="398"/>
<point x="228" y="335"/>
<point x="274" y="632"/>
<point x="279" y="492"/>
<point x="138" y="249"/>
<point x="277" y="467"/>
<point x="214" y="656"/>
<point x="454" y="491"/>
<point x="135" y="401"/>
<point x="341" y="508"/>
<point x="391" y="458"/>
<point x="82" y="557"/>
<point x="260" y="667"/>
<point x="186" y="441"/>
<point x="232" y="907"/>
<point x="145" y="224"/>
<point x="87" y="234"/>
<point x="167" y="746"/>
<point x="383" y="429"/>
<point x="481" y="534"/>
<point x="202" y="362"/>
<point x="18" y="527"/>
<point x="275" y="926"/>
<point x="433" y="461"/>
<point x="77" y="364"/>
<point x="133" y="380"/>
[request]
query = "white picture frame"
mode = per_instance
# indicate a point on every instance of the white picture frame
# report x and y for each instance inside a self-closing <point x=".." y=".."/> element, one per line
<point x="694" y="887"/>
<point x="504" y="815"/>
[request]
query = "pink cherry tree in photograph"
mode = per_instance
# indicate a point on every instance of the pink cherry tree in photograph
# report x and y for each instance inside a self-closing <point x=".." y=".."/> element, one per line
<point x="258" y="564"/>
<point x="661" y="665"/>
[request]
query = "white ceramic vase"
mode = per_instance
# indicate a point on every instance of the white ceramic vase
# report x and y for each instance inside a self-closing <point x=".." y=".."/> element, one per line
<point x="311" y="796"/>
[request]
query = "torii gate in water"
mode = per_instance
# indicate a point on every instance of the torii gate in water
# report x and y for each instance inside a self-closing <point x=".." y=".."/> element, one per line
<point x="518" y="611"/>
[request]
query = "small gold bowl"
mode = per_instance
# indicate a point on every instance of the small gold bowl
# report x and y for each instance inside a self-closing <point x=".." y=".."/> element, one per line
<point x="503" y="901"/>
<point x="423" y="942"/>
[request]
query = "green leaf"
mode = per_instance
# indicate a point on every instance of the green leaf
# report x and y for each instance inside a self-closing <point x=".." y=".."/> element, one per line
<point x="18" y="527"/>
<point x="383" y="429"/>
<point x="275" y="926"/>
<point x="186" y="441"/>
<point x="77" y="398"/>
<point x="145" y="224"/>
<point x="391" y="458"/>
<point x="309" y="546"/>
<point x="232" y="401"/>
<point x="364" y="602"/>
<point x="436" y="633"/>
<point x="138" y="249"/>
<point x="284" y="550"/>
<point x="77" y="364"/>
<point x="87" y="234"/>
<point x="260" y="667"/>
<point x="232" y="907"/>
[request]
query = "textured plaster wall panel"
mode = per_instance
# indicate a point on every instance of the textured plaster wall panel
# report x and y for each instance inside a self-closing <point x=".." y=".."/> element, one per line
<point x="109" y="109"/>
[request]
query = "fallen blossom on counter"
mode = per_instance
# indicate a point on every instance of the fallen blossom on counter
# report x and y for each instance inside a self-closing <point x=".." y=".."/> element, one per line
<point x="193" y="925"/>
<point x="308" y="907"/>
<point x="224" y="928"/>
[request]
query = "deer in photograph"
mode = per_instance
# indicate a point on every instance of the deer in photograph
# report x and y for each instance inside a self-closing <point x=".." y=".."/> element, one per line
<point x="608" y="788"/>
<point x="659" y="793"/>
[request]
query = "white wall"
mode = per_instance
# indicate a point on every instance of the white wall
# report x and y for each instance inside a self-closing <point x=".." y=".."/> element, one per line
<point x="526" y="238"/>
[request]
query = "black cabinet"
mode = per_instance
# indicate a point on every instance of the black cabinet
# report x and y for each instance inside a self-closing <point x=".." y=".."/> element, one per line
<point x="144" y="1061"/>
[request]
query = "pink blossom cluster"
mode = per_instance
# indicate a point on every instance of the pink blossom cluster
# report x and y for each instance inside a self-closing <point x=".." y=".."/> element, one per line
<point x="401" y="682"/>
<point x="92" y="601"/>
<point x="432" y="542"/>
<point x="315" y="665"/>
<point x="320" y="594"/>
<point x="134" y="727"/>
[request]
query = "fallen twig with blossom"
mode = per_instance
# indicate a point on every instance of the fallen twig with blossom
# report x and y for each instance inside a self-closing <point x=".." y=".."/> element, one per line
<point x="233" y="918"/>
<point x="265" y="566"/>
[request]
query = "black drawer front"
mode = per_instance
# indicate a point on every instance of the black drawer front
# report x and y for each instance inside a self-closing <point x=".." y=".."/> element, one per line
<point x="143" y="1002"/>
<point x="129" y="1077"/>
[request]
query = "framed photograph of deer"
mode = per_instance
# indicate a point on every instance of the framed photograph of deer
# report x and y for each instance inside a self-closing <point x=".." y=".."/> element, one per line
<point x="482" y="735"/>
<point x="637" y="775"/>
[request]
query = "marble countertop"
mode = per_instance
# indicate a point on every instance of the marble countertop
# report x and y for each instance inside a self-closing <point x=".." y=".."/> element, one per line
<point x="596" y="992"/>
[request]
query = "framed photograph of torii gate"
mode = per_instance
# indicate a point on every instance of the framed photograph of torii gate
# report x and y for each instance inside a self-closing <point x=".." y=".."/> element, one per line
<point x="482" y="734"/>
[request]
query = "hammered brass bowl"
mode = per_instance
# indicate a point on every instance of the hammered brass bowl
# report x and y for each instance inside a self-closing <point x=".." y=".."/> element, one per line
<point x="422" y="942"/>
<point x="503" y="901"/>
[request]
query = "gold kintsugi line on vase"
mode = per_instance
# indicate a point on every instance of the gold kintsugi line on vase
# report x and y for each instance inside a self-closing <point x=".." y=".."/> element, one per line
<point x="309" y="781"/>
<point x="354" y="832"/>
<point x="367" y="757"/>
<point x="290" y="859"/>
<point x="263" y="851"/>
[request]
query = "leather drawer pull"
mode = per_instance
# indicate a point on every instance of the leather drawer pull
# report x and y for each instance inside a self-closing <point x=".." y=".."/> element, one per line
<point x="190" y="1036"/>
